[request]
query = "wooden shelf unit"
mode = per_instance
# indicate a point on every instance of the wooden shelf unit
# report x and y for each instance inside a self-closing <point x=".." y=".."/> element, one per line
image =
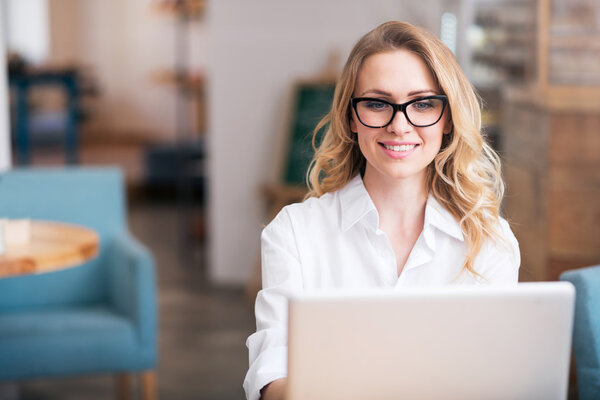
<point x="583" y="83"/>
<point x="552" y="162"/>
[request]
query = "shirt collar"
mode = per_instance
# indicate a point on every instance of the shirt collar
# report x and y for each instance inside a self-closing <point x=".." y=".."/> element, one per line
<point x="356" y="204"/>
<point x="437" y="216"/>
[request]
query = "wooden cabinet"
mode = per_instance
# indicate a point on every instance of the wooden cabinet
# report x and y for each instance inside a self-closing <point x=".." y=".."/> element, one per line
<point x="552" y="169"/>
<point x="552" y="144"/>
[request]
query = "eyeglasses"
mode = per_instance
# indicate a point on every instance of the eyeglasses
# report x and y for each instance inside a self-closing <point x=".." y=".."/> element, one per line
<point x="377" y="113"/>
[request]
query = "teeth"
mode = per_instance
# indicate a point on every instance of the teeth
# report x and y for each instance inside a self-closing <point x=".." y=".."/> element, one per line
<point x="402" y="147"/>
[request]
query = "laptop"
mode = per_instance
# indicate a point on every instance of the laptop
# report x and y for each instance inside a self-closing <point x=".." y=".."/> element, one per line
<point x="486" y="342"/>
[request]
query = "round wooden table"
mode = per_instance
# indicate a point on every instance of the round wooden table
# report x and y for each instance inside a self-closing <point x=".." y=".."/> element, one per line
<point x="52" y="246"/>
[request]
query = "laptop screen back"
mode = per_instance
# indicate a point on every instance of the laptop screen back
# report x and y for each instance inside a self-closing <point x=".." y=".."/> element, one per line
<point x="510" y="342"/>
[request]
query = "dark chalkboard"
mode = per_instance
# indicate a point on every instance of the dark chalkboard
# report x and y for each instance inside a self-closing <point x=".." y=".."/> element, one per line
<point x="312" y="103"/>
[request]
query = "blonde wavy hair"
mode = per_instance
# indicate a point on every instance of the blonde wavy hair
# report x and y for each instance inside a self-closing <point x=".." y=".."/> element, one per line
<point x="465" y="176"/>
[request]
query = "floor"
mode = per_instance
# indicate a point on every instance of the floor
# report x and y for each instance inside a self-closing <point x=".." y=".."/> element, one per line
<point x="202" y="329"/>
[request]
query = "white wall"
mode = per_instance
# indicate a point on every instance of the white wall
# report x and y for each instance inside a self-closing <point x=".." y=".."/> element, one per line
<point x="27" y="28"/>
<point x="257" y="50"/>
<point x="125" y="43"/>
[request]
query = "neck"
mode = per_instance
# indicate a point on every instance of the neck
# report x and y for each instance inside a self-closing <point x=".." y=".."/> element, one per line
<point x="398" y="201"/>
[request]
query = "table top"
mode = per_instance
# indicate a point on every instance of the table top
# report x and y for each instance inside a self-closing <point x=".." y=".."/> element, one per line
<point x="52" y="246"/>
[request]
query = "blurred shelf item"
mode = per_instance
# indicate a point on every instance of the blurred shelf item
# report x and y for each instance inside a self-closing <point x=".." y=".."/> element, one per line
<point x="503" y="41"/>
<point x="569" y="51"/>
<point x="192" y="81"/>
<point x="180" y="8"/>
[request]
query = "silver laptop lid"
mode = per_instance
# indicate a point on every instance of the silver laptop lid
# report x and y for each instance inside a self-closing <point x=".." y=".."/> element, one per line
<point x="486" y="342"/>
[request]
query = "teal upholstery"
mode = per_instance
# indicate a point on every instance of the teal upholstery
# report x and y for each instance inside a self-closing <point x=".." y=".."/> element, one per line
<point x="586" y="330"/>
<point x="99" y="317"/>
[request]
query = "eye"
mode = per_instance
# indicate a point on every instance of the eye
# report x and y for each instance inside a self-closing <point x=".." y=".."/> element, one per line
<point x="374" y="105"/>
<point x="423" y="105"/>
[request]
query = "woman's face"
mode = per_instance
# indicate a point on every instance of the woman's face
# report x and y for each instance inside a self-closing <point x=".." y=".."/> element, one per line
<point x="399" y="150"/>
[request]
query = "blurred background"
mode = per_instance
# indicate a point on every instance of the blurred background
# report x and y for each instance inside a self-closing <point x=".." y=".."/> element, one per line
<point x="200" y="103"/>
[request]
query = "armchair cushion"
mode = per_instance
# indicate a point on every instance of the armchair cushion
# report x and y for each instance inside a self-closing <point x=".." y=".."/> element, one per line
<point x="65" y="341"/>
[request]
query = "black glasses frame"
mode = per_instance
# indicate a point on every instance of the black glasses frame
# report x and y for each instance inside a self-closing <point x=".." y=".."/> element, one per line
<point x="399" y="107"/>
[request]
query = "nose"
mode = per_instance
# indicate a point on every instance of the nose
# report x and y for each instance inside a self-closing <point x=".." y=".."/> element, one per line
<point x="399" y="124"/>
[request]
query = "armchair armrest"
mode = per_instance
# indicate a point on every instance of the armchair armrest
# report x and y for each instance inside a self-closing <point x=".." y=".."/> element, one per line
<point x="132" y="284"/>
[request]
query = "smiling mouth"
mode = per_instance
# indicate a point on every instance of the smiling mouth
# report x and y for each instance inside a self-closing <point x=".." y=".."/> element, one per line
<point x="399" y="148"/>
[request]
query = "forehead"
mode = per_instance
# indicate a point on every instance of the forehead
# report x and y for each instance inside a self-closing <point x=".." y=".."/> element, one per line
<point x="398" y="72"/>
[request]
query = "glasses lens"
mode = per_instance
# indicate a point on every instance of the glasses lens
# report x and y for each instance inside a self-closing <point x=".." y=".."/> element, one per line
<point x="425" y="112"/>
<point x="374" y="113"/>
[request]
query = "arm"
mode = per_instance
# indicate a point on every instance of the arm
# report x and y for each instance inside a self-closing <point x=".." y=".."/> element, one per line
<point x="281" y="276"/>
<point x="500" y="261"/>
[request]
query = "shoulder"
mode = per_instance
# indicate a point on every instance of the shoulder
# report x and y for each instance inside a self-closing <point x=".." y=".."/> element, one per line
<point x="499" y="258"/>
<point x="507" y="239"/>
<point x="297" y="230"/>
<point x="314" y="209"/>
<point x="315" y="206"/>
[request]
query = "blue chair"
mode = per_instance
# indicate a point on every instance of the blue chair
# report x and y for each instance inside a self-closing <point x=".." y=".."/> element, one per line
<point x="99" y="317"/>
<point x="586" y="330"/>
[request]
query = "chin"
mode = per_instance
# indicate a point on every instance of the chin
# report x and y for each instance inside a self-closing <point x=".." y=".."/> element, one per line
<point x="401" y="173"/>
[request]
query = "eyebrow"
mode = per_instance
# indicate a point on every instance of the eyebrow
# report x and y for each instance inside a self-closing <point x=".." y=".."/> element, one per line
<point x="411" y="93"/>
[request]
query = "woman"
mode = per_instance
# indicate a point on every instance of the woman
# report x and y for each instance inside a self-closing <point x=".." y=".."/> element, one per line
<point x="405" y="191"/>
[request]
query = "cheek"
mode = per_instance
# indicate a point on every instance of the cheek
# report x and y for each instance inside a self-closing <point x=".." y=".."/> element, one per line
<point x="434" y="136"/>
<point x="366" y="140"/>
<point x="360" y="138"/>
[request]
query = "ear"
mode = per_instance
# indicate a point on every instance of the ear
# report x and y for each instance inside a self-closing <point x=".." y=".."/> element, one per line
<point x="448" y="127"/>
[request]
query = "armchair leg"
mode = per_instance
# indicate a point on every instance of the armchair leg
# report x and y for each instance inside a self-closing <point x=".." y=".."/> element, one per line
<point x="148" y="385"/>
<point x="123" y="383"/>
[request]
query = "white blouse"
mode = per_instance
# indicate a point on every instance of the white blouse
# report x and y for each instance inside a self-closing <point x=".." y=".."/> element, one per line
<point x="335" y="242"/>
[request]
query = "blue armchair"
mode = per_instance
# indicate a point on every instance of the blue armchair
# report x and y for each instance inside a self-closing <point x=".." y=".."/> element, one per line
<point x="99" y="317"/>
<point x="586" y="330"/>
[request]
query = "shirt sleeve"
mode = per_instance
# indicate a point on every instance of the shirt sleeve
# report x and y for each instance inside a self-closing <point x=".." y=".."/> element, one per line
<point x="500" y="261"/>
<point x="281" y="276"/>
